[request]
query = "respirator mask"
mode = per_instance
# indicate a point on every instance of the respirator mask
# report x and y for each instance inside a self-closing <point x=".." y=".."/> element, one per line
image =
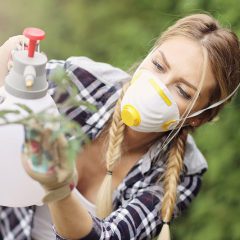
<point x="148" y="105"/>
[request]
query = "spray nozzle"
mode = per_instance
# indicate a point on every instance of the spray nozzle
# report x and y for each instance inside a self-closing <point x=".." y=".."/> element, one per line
<point x="34" y="35"/>
<point x="27" y="78"/>
<point x="29" y="75"/>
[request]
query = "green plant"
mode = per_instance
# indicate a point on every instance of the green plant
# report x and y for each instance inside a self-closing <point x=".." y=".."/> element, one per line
<point x="59" y="124"/>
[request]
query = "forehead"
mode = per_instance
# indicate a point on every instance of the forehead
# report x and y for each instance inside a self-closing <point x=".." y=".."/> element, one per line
<point x="185" y="58"/>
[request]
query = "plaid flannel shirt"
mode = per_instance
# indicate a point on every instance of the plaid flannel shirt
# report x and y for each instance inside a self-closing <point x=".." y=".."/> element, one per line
<point x="137" y="200"/>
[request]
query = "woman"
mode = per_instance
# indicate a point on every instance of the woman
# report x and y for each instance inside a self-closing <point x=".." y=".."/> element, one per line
<point x="150" y="169"/>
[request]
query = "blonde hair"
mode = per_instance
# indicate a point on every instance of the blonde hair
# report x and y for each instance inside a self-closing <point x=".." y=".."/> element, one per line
<point x="223" y="56"/>
<point x="113" y="154"/>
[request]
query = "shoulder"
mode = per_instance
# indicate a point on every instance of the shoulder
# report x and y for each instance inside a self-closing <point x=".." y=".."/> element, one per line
<point x="104" y="72"/>
<point x="99" y="84"/>
<point x="155" y="159"/>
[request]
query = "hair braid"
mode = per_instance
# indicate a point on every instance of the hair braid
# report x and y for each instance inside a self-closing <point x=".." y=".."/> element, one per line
<point x="113" y="154"/>
<point x="171" y="180"/>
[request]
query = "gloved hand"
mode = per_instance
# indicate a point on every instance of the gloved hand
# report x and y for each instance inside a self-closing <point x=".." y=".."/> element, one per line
<point x="50" y="161"/>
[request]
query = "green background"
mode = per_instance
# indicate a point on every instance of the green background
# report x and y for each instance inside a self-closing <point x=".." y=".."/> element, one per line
<point x="121" y="33"/>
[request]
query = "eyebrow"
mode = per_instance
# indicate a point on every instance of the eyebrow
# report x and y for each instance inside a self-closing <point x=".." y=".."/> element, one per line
<point x="164" y="59"/>
<point x="181" y="79"/>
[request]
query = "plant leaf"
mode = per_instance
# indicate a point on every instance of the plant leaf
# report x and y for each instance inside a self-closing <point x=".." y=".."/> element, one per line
<point x="5" y="112"/>
<point x="24" y="107"/>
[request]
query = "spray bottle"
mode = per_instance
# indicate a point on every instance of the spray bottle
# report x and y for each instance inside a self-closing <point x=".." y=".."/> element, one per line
<point x="26" y="84"/>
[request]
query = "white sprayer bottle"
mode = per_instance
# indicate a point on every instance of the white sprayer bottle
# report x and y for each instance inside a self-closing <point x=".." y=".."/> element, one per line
<point x="26" y="84"/>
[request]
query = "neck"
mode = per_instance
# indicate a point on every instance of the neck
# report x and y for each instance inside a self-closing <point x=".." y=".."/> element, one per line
<point x="139" y="141"/>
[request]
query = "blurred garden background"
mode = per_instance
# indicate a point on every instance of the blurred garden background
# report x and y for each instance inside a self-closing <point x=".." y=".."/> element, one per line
<point x="121" y="33"/>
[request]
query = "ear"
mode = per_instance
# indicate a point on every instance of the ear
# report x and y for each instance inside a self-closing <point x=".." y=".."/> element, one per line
<point x="196" y="122"/>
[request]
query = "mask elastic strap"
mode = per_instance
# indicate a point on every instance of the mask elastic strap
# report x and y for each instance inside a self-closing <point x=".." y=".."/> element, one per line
<point x="214" y="104"/>
<point x="176" y="130"/>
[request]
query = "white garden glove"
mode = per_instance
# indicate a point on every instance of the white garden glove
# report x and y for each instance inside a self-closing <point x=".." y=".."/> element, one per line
<point x="51" y="163"/>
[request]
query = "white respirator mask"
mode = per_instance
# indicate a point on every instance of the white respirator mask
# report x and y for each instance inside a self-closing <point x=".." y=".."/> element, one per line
<point x="148" y="105"/>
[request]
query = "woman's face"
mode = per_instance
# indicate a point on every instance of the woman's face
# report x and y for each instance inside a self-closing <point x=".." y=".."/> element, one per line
<point x="178" y="63"/>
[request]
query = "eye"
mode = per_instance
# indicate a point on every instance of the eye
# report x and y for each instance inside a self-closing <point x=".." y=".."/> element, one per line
<point x="158" y="65"/>
<point x="184" y="93"/>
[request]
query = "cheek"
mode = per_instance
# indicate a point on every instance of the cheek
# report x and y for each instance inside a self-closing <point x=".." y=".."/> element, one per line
<point x="184" y="104"/>
<point x="181" y="103"/>
<point x="182" y="107"/>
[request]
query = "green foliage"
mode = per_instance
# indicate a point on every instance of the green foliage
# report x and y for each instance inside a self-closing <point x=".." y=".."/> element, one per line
<point x="43" y="119"/>
<point x="64" y="83"/>
<point x="4" y="113"/>
<point x="121" y="33"/>
<point x="25" y="108"/>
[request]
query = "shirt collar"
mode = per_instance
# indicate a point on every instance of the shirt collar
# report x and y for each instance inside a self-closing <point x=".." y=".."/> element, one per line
<point x="194" y="161"/>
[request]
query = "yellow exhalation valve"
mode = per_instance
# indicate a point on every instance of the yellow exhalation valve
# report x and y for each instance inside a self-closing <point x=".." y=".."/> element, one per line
<point x="130" y="115"/>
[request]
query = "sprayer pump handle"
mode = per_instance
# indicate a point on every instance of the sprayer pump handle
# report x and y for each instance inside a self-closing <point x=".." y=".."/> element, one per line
<point x="34" y="35"/>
